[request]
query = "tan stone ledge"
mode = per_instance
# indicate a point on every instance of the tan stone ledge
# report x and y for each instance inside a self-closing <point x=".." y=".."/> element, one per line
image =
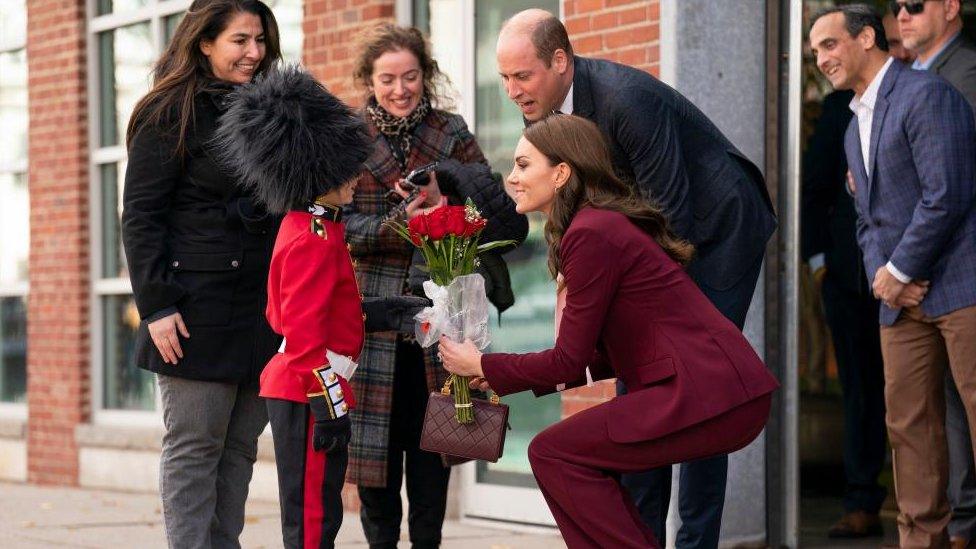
<point x="13" y="428"/>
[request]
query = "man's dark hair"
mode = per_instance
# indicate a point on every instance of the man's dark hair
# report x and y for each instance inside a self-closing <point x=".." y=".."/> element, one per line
<point x="856" y="18"/>
<point x="547" y="37"/>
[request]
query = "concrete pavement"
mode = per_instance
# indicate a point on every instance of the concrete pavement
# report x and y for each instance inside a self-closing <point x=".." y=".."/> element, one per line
<point x="34" y="517"/>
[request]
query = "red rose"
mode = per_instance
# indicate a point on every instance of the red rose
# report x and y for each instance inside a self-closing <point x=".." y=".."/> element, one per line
<point x="416" y="239"/>
<point x="418" y="225"/>
<point x="455" y="221"/>
<point x="437" y="223"/>
<point x="474" y="227"/>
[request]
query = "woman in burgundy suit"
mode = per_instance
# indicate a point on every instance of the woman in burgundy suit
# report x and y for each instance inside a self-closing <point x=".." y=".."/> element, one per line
<point x="695" y="387"/>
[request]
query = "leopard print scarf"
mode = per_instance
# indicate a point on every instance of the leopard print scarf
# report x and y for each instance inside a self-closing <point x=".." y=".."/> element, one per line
<point x="398" y="130"/>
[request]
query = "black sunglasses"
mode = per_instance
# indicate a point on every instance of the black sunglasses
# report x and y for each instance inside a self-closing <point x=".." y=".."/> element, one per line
<point x="913" y="7"/>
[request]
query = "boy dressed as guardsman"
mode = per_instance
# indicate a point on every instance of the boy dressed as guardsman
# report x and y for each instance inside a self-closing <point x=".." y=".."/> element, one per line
<point x="298" y="150"/>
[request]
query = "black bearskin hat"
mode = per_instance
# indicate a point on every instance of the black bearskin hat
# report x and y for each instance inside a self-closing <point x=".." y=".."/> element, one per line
<point x="287" y="140"/>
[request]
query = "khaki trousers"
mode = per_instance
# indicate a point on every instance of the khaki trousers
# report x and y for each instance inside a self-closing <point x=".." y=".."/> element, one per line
<point x="917" y="349"/>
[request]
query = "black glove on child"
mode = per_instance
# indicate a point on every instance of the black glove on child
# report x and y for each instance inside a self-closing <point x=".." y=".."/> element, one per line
<point x="395" y="313"/>
<point x="328" y="433"/>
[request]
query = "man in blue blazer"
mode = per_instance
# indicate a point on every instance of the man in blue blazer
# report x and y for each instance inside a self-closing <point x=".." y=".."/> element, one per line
<point x="911" y="148"/>
<point x="673" y="154"/>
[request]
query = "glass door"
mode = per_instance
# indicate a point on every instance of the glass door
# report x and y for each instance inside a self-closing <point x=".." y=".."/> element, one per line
<point x="463" y="35"/>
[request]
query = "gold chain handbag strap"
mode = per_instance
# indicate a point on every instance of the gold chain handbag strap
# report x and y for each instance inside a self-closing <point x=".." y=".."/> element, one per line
<point x="446" y="391"/>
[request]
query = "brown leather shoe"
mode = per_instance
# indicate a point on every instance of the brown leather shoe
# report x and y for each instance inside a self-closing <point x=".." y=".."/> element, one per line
<point x="857" y="524"/>
<point x="958" y="543"/>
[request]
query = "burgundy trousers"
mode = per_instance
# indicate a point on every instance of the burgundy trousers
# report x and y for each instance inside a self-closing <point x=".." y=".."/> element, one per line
<point x="577" y="467"/>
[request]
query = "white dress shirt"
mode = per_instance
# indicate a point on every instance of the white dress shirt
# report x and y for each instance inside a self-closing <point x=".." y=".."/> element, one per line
<point x="863" y="107"/>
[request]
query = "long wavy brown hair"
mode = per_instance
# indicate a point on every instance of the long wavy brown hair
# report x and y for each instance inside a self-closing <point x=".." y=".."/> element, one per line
<point x="387" y="37"/>
<point x="183" y="70"/>
<point x="579" y="143"/>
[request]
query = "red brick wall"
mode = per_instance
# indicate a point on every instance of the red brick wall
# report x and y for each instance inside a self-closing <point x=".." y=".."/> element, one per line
<point x="331" y="27"/>
<point x="628" y="32"/>
<point x="58" y="308"/>
<point x="625" y="31"/>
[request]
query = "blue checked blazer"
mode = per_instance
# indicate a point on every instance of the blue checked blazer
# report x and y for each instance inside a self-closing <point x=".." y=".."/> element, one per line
<point x="916" y="208"/>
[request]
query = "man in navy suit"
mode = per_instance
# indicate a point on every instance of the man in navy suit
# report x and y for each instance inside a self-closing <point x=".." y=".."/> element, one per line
<point x="673" y="154"/>
<point x="911" y="148"/>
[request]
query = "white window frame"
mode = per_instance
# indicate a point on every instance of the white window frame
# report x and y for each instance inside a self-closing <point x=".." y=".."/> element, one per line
<point x="155" y="13"/>
<point x="14" y="410"/>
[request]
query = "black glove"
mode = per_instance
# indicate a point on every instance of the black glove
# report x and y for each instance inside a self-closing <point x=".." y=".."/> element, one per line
<point x="330" y="435"/>
<point x="395" y="313"/>
<point x="498" y="283"/>
<point x="448" y="172"/>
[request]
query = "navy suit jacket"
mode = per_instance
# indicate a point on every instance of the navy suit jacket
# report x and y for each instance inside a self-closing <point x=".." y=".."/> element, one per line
<point x="916" y="208"/>
<point x="660" y="141"/>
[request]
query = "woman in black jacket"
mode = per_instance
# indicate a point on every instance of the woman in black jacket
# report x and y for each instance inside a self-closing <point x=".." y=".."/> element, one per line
<point x="198" y="250"/>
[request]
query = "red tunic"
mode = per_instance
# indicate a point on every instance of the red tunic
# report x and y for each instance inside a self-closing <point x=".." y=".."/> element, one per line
<point x="314" y="301"/>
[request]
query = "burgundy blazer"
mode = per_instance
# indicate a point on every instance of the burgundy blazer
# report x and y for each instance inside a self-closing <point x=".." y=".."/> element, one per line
<point x="634" y="314"/>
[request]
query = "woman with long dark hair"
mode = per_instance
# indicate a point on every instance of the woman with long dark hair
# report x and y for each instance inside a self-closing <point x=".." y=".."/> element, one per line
<point x="695" y="386"/>
<point x="404" y="100"/>
<point x="198" y="249"/>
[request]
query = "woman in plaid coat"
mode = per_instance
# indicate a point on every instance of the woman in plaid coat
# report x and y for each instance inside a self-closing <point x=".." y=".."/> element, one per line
<point x="396" y="375"/>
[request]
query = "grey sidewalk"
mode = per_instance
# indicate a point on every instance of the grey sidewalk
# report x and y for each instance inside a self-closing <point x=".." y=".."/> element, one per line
<point x="34" y="517"/>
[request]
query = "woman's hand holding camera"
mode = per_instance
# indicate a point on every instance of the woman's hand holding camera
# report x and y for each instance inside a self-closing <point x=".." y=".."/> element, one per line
<point x="416" y="206"/>
<point x="428" y="198"/>
<point x="165" y="334"/>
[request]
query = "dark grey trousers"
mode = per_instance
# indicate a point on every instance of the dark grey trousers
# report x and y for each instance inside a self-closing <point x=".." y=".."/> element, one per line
<point x="209" y="449"/>
<point x="962" y="474"/>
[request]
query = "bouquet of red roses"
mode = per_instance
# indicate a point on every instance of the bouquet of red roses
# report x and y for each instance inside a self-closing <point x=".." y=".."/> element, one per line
<point x="448" y="239"/>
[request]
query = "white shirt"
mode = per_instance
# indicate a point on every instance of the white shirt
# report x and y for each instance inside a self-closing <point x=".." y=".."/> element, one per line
<point x="567" y="106"/>
<point x="863" y="107"/>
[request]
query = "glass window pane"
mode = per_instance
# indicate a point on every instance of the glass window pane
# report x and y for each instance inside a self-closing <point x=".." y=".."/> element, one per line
<point x="499" y="122"/>
<point x="126" y="57"/>
<point x="169" y="26"/>
<point x="529" y="324"/>
<point x="288" y="14"/>
<point x="110" y="6"/>
<point x="113" y="257"/>
<point x="15" y="227"/>
<point x="421" y="16"/>
<point x="13" y="349"/>
<point x="13" y="22"/>
<point x="126" y="387"/>
<point x="13" y="106"/>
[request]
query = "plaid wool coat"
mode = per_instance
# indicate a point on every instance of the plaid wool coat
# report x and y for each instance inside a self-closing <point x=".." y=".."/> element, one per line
<point x="383" y="260"/>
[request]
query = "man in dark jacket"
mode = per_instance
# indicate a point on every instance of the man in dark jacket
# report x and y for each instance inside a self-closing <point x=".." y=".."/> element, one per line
<point x="712" y="195"/>
<point x="829" y="244"/>
<point x="935" y="36"/>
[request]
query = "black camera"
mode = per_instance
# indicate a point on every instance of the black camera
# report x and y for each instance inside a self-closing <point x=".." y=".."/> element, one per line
<point x="418" y="177"/>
